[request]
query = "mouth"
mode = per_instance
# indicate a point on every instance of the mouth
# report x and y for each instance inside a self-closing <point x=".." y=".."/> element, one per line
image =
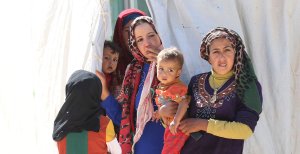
<point x="164" y="79"/>
<point x="222" y="65"/>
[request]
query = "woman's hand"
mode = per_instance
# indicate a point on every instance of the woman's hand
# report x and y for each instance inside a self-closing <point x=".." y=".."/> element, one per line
<point x="191" y="125"/>
<point x="153" y="52"/>
<point x="105" y="91"/>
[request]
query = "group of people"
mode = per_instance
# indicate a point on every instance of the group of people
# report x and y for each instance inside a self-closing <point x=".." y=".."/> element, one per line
<point x="139" y="99"/>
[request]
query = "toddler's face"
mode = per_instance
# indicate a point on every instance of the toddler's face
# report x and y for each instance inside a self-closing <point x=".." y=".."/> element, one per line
<point x="168" y="71"/>
<point x="110" y="60"/>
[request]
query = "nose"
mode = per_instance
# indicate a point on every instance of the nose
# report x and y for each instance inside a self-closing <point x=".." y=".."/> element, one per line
<point x="110" y="61"/>
<point x="147" y="42"/>
<point x="222" y="56"/>
<point x="163" y="73"/>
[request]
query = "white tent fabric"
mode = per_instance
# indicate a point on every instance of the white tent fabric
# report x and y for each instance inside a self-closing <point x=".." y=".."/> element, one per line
<point x="44" y="42"/>
<point x="72" y="39"/>
<point x="269" y="29"/>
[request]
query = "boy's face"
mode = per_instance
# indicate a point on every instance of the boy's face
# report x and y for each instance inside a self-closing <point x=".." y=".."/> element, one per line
<point x="110" y="60"/>
<point x="168" y="71"/>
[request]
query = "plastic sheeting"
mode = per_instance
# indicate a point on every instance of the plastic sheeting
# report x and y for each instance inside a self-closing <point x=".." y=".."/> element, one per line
<point x="43" y="42"/>
<point x="269" y="29"/>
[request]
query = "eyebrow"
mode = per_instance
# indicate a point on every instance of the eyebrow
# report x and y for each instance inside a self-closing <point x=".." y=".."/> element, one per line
<point x="151" y="32"/>
<point x="229" y="46"/>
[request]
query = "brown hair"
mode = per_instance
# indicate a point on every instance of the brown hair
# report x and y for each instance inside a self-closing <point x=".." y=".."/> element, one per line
<point x="171" y="54"/>
<point x="113" y="46"/>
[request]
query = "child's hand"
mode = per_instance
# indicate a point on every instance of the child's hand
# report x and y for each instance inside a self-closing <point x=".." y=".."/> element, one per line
<point x="173" y="127"/>
<point x="105" y="91"/>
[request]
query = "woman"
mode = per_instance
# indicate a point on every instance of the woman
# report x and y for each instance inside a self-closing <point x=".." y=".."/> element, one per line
<point x="121" y="36"/>
<point x="137" y="105"/>
<point x="79" y="126"/>
<point x="226" y="102"/>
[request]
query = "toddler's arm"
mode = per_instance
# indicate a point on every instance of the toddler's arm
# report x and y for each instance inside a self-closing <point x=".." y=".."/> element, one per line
<point x="182" y="107"/>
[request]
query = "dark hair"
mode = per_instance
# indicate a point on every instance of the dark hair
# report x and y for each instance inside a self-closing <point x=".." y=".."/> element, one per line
<point x="171" y="54"/>
<point x="114" y="47"/>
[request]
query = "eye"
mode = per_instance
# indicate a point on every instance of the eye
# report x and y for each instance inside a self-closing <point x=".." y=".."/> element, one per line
<point x="115" y="60"/>
<point x="215" y="52"/>
<point x="171" y="70"/>
<point x="126" y="30"/>
<point x="106" y="58"/>
<point x="229" y="51"/>
<point x="139" y="40"/>
<point x="151" y="35"/>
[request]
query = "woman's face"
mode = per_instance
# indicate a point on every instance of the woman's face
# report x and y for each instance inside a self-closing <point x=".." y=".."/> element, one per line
<point x="221" y="56"/>
<point x="125" y="33"/>
<point x="147" y="40"/>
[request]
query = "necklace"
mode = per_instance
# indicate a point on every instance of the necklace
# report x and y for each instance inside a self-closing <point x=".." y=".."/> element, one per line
<point x="213" y="99"/>
<point x="217" y="81"/>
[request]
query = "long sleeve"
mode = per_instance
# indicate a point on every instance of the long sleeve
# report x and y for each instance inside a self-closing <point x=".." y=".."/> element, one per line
<point x="113" y="109"/>
<point x="226" y="129"/>
<point x="241" y="128"/>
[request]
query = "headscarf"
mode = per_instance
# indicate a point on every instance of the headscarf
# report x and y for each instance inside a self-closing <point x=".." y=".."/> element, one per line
<point x="123" y="18"/>
<point x="81" y="109"/>
<point x="129" y="90"/>
<point x="243" y="70"/>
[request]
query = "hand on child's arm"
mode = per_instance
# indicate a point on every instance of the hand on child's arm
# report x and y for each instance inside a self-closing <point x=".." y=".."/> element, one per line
<point x="191" y="125"/>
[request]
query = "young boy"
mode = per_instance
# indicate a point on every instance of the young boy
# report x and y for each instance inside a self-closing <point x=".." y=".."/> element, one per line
<point x="170" y="88"/>
<point x="109" y="64"/>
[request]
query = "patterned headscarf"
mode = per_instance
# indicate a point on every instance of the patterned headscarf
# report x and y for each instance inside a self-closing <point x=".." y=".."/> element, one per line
<point x="130" y="88"/>
<point x="243" y="70"/>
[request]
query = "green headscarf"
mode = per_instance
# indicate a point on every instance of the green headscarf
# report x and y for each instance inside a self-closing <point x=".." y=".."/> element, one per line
<point x="243" y="70"/>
